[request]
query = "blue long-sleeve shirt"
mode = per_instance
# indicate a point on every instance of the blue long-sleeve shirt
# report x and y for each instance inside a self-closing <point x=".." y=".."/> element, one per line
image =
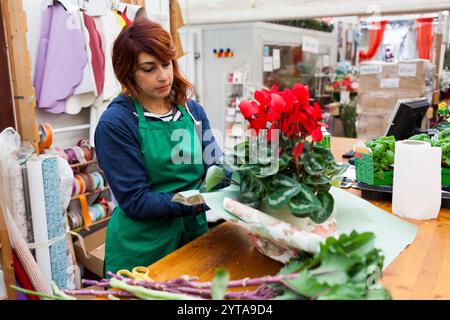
<point x="120" y="158"/>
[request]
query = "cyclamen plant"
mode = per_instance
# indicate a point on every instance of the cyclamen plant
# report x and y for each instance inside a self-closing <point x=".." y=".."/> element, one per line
<point x="281" y="164"/>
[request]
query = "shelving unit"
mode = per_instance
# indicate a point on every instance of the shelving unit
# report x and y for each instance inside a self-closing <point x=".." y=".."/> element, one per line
<point x="98" y="191"/>
<point x="236" y="89"/>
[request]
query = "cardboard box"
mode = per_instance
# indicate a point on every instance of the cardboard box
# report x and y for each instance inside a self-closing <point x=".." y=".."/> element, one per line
<point x="372" y="125"/>
<point x="411" y="75"/>
<point x="381" y="101"/>
<point x="95" y="251"/>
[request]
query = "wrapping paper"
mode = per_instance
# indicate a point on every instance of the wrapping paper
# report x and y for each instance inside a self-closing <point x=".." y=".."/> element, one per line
<point x="32" y="269"/>
<point x="22" y="276"/>
<point x="18" y="199"/>
<point x="26" y="194"/>
<point x="61" y="41"/>
<point x="275" y="239"/>
<point x="86" y="92"/>
<point x="37" y="200"/>
<point x="59" y="252"/>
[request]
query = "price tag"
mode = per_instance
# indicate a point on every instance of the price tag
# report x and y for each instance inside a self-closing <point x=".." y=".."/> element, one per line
<point x="310" y="45"/>
<point x="407" y="69"/>
<point x="390" y="83"/>
<point x="370" y="69"/>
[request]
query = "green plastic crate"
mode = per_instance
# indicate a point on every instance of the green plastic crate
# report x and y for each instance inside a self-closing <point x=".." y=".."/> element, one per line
<point x="445" y="174"/>
<point x="365" y="171"/>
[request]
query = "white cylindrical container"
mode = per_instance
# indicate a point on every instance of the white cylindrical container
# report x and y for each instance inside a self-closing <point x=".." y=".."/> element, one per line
<point x="417" y="180"/>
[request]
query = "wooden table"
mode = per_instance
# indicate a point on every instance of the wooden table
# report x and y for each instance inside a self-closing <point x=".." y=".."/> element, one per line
<point x="422" y="271"/>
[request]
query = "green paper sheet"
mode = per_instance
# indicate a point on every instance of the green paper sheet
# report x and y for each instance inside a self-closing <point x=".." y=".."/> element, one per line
<point x="393" y="235"/>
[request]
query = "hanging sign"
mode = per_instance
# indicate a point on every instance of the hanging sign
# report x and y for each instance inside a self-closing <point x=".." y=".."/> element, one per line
<point x="310" y="45"/>
<point x="267" y="64"/>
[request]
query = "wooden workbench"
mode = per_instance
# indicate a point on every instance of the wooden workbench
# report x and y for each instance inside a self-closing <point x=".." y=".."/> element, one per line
<point x="422" y="271"/>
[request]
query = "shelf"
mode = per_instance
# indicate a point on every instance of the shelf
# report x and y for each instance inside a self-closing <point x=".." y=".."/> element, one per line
<point x="92" y="225"/>
<point x="78" y="165"/>
<point x="91" y="193"/>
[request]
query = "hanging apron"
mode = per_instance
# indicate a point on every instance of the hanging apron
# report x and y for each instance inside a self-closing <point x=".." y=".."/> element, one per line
<point x="131" y="243"/>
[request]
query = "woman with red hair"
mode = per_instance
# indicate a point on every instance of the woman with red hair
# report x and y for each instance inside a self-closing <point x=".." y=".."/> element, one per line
<point x="150" y="146"/>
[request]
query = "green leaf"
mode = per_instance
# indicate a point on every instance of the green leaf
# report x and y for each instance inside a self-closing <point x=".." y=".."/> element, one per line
<point x="347" y="291"/>
<point x="252" y="189"/>
<point x="265" y="172"/>
<point x="281" y="189"/>
<point x="306" y="284"/>
<point x="378" y="294"/>
<point x="304" y="203"/>
<point x="316" y="180"/>
<point x="324" y="152"/>
<point x="321" y="215"/>
<point x="214" y="176"/>
<point x="278" y="199"/>
<point x="314" y="163"/>
<point x="333" y="269"/>
<point x="248" y="194"/>
<point x="219" y="284"/>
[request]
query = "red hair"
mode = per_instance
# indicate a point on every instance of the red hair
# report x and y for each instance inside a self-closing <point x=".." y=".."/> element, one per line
<point x="149" y="37"/>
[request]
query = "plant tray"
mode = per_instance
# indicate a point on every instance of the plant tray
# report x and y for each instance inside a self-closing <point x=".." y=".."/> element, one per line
<point x="384" y="193"/>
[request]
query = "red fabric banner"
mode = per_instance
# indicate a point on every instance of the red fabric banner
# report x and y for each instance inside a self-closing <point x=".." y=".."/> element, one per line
<point x="375" y="37"/>
<point x="425" y="37"/>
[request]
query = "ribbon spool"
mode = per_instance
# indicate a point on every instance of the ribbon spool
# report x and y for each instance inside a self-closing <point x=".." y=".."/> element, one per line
<point x="98" y="180"/>
<point x="71" y="156"/>
<point x="76" y="188"/>
<point x="81" y="183"/>
<point x="86" y="177"/>
<point x="75" y="220"/>
<point x="88" y="151"/>
<point x="45" y="137"/>
<point x="80" y="155"/>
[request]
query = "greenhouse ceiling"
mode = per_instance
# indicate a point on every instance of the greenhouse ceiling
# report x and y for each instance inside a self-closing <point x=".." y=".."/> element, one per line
<point x="221" y="11"/>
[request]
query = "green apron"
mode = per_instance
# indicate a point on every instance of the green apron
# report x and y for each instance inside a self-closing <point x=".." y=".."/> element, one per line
<point x="131" y="243"/>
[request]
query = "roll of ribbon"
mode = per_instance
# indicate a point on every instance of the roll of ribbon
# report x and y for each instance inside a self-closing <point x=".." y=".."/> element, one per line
<point x="75" y="220"/>
<point x="81" y="183"/>
<point x="75" y="188"/>
<point x="80" y="155"/>
<point x="87" y="153"/>
<point x="71" y="156"/>
<point x="61" y="153"/>
<point x="99" y="183"/>
<point x="87" y="182"/>
<point x="105" y="205"/>
<point x="45" y="137"/>
<point x="93" y="181"/>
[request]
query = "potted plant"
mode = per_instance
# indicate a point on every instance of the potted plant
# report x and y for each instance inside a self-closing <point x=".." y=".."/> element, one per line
<point x="280" y="169"/>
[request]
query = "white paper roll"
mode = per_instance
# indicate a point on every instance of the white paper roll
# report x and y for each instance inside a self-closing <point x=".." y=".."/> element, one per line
<point x="417" y="180"/>
<point x="38" y="213"/>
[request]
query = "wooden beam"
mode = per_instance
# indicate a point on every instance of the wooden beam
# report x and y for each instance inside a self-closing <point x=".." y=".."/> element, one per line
<point x="15" y="23"/>
<point x="207" y="11"/>
<point x="6" y="258"/>
<point x="7" y="118"/>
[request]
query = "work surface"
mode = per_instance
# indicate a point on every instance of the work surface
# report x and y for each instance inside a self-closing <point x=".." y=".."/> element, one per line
<point x="422" y="271"/>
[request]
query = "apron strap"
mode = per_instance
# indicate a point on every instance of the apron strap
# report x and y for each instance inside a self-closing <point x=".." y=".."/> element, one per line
<point x="140" y="111"/>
